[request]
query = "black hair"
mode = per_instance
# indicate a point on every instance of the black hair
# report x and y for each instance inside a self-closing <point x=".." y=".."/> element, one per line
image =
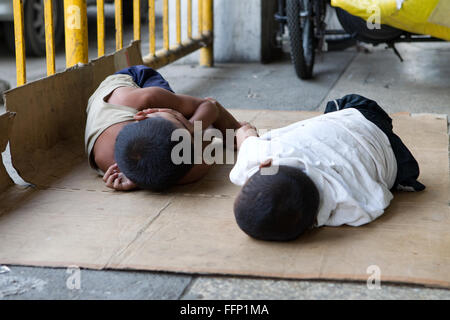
<point x="143" y="153"/>
<point x="277" y="207"/>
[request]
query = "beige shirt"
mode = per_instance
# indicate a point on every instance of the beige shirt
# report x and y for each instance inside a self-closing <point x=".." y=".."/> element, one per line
<point x="101" y="115"/>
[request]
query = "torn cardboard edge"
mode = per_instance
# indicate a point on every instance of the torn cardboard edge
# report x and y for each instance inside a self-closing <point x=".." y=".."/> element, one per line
<point x="6" y="122"/>
<point x="360" y="278"/>
<point x="53" y="109"/>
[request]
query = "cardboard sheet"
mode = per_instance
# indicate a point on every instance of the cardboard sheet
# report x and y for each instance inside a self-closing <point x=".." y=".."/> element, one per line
<point x="71" y="218"/>
<point x="52" y="111"/>
<point x="6" y="121"/>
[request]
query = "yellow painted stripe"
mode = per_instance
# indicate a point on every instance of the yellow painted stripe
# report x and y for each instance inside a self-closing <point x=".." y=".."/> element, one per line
<point x="137" y="19"/>
<point x="20" y="43"/>
<point x="101" y="27"/>
<point x="49" y="37"/>
<point x="166" y="24"/>
<point x="151" y="25"/>
<point x="75" y="17"/>
<point x="119" y="24"/>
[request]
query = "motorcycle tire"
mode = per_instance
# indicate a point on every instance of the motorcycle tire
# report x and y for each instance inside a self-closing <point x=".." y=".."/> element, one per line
<point x="34" y="27"/>
<point x="301" y="39"/>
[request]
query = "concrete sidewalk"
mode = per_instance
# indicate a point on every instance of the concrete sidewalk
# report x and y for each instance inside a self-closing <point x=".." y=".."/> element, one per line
<point x="420" y="84"/>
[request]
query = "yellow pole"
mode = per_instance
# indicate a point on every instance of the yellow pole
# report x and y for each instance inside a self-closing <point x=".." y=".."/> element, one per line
<point x="189" y="19"/>
<point x="137" y="19"/>
<point x="178" y="11"/>
<point x="151" y="25"/>
<point x="49" y="37"/>
<point x="101" y="27"/>
<point x="119" y="24"/>
<point x="166" y="24"/>
<point x="20" y="43"/>
<point x="200" y="17"/>
<point x="207" y="53"/>
<point x="75" y="17"/>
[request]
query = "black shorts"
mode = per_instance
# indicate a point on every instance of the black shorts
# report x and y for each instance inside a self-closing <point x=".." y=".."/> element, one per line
<point x="407" y="166"/>
<point x="145" y="77"/>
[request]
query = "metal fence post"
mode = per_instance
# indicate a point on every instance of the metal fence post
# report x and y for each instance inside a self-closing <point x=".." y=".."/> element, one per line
<point x="75" y="18"/>
<point x="20" y="42"/>
<point x="207" y="53"/>
<point x="119" y="23"/>
<point x="49" y="37"/>
<point x="137" y="19"/>
<point x="101" y="27"/>
<point x="151" y="27"/>
<point x="166" y="35"/>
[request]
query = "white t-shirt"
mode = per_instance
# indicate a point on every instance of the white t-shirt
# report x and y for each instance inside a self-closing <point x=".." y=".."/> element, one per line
<point x="349" y="159"/>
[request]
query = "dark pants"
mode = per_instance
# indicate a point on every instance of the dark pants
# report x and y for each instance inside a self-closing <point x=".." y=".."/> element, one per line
<point x="146" y="77"/>
<point x="407" y="166"/>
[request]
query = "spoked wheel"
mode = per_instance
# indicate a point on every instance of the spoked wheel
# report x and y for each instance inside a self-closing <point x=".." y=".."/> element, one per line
<point x="301" y="35"/>
<point x="35" y="27"/>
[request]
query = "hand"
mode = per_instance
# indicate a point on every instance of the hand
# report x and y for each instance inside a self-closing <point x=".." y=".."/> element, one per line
<point x="212" y="100"/>
<point x="245" y="131"/>
<point x="246" y="126"/>
<point x="142" y="115"/>
<point x="116" y="180"/>
<point x="179" y="116"/>
<point x="171" y="111"/>
<point x="243" y="123"/>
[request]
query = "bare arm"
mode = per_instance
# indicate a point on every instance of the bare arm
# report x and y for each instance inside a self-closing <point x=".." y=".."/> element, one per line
<point x="194" y="109"/>
<point x="207" y="110"/>
<point x="225" y="120"/>
<point x="247" y="130"/>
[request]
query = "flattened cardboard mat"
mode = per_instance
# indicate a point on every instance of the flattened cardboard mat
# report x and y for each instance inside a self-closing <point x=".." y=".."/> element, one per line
<point x="6" y="120"/>
<point x="71" y="218"/>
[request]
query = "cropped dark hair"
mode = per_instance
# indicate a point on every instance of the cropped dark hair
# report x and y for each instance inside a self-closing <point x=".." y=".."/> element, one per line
<point x="143" y="153"/>
<point x="277" y="207"/>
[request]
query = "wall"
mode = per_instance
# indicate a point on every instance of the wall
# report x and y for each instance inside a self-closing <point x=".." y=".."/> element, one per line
<point x="238" y="29"/>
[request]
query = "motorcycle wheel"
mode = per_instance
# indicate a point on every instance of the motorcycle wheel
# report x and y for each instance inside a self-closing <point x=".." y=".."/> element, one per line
<point x="34" y="27"/>
<point x="301" y="36"/>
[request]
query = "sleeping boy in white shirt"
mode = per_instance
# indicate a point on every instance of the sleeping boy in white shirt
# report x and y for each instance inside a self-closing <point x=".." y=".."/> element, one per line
<point x="334" y="169"/>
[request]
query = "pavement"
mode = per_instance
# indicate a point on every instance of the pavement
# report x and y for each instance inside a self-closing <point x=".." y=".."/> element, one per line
<point x="418" y="85"/>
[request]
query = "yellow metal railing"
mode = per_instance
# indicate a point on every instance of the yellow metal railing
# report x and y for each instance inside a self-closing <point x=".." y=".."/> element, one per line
<point x="49" y="36"/>
<point x="75" y="20"/>
<point x="76" y="34"/>
<point x="20" y="42"/>
<point x="101" y="27"/>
